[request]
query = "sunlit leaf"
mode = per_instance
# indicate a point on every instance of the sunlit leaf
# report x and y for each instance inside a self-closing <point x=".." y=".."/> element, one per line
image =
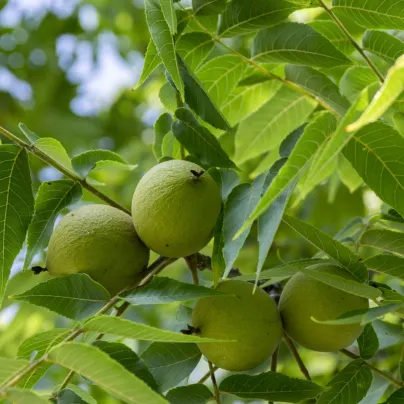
<point x="161" y="36"/>
<point x="355" y="80"/>
<point x="75" y="296"/>
<point x="194" y="48"/>
<point x="296" y="43"/>
<point x="167" y="7"/>
<point x="384" y="263"/>
<point x="53" y="148"/>
<point x="16" y="207"/>
<point x="20" y="396"/>
<point x="110" y="375"/>
<point x="243" y="18"/>
<point x="171" y="363"/>
<point x="384" y="45"/>
<point x="270" y="386"/>
<point x="10" y="367"/>
<point x="151" y="61"/>
<point x="52" y="197"/>
<point x="161" y="127"/>
<point x="208" y="7"/>
<point x="349" y="386"/>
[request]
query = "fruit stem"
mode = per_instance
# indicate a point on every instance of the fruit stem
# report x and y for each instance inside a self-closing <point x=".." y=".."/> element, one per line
<point x="274" y="364"/>
<point x="213" y="377"/>
<point x="374" y="368"/>
<point x="207" y="375"/>
<point x="191" y="262"/>
<point x="296" y="355"/>
<point x="197" y="174"/>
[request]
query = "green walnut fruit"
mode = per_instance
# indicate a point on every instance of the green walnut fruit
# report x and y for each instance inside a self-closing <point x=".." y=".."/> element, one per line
<point x="304" y="298"/>
<point x="253" y="320"/>
<point x="175" y="208"/>
<point x="100" y="241"/>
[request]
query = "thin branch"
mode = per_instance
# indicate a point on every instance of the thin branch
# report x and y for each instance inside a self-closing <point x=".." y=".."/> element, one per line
<point x="253" y="63"/>
<point x="352" y="40"/>
<point x="207" y="375"/>
<point x="274" y="364"/>
<point x="375" y="369"/>
<point x="192" y="265"/>
<point x="65" y="171"/>
<point x="296" y="355"/>
<point x="153" y="269"/>
<point x="65" y="382"/>
<point x="213" y="377"/>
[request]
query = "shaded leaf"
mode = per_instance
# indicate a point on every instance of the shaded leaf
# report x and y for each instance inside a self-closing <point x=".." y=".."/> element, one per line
<point x="16" y="207"/>
<point x="129" y="329"/>
<point x="267" y="127"/>
<point x="368" y="342"/>
<point x="75" y="296"/>
<point x="208" y="7"/>
<point x="199" y="141"/>
<point x="318" y="84"/>
<point x="167" y="7"/>
<point x="243" y="18"/>
<point x="194" y="48"/>
<point x="386" y="263"/>
<point x="226" y="179"/>
<point x="396" y="398"/>
<point x="199" y="101"/>
<point x="161" y="127"/>
<point x="170" y="146"/>
<point x="270" y="386"/>
<point x="362" y="316"/>
<point x="220" y="76"/>
<point x="218" y="261"/>
<point x="51" y="198"/>
<point x="377" y="153"/>
<point x="161" y="36"/>
<point x="31" y="136"/>
<point x="349" y="386"/>
<point x="384" y="45"/>
<point x="165" y="290"/>
<point x="191" y="394"/>
<point x="239" y="205"/>
<point x="383" y="239"/>
<point x="171" y="363"/>
<point x="386" y="14"/>
<point x="296" y="43"/>
<point x="20" y="396"/>
<point x="68" y="396"/>
<point x="128" y="359"/>
<point x="151" y="61"/>
<point x="108" y="374"/>
<point x="334" y="249"/>
<point x="355" y="80"/>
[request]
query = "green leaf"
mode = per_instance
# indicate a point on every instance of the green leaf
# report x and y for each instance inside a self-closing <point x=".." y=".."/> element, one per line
<point x="318" y="84"/>
<point x="348" y="176"/>
<point x="386" y="14"/>
<point x="368" y="342"/>
<point x="68" y="396"/>
<point x="75" y="296"/>
<point x="168" y="96"/>
<point x="20" y="396"/>
<point x="315" y="133"/>
<point x="349" y="386"/>
<point x="31" y="136"/>
<point x="167" y="7"/>
<point x="53" y="148"/>
<point x="346" y="285"/>
<point x="220" y="76"/>
<point x="355" y="80"/>
<point x="161" y="128"/>
<point x="391" y="89"/>
<point x="194" y="48"/>
<point x="396" y="398"/>
<point x="16" y="207"/>
<point x="199" y="101"/>
<point x="170" y="146"/>
<point x="270" y="220"/>
<point x="52" y="197"/>
<point x="386" y="240"/>
<point x="333" y="33"/>
<point x="129" y="329"/>
<point x="402" y="370"/>
<point x="377" y="152"/>
<point x="151" y="61"/>
<point x="83" y="163"/>
<point x="108" y="374"/>
<point x="199" y="141"/>
<point x="362" y="316"/>
<point x="165" y="290"/>
<point x="385" y="263"/>
<point x="218" y="262"/>
<point x="296" y="43"/>
<point x="170" y="364"/>
<point x="244" y="101"/>
<point x="243" y="18"/>
<point x="161" y="36"/>
<point x="270" y="386"/>
<point x="334" y="249"/>
<point x="239" y="205"/>
<point x="267" y="127"/>
<point x="226" y="179"/>
<point x="10" y="367"/>
<point x="128" y="359"/>
<point x="208" y="7"/>
<point x="384" y="45"/>
<point x="191" y="394"/>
